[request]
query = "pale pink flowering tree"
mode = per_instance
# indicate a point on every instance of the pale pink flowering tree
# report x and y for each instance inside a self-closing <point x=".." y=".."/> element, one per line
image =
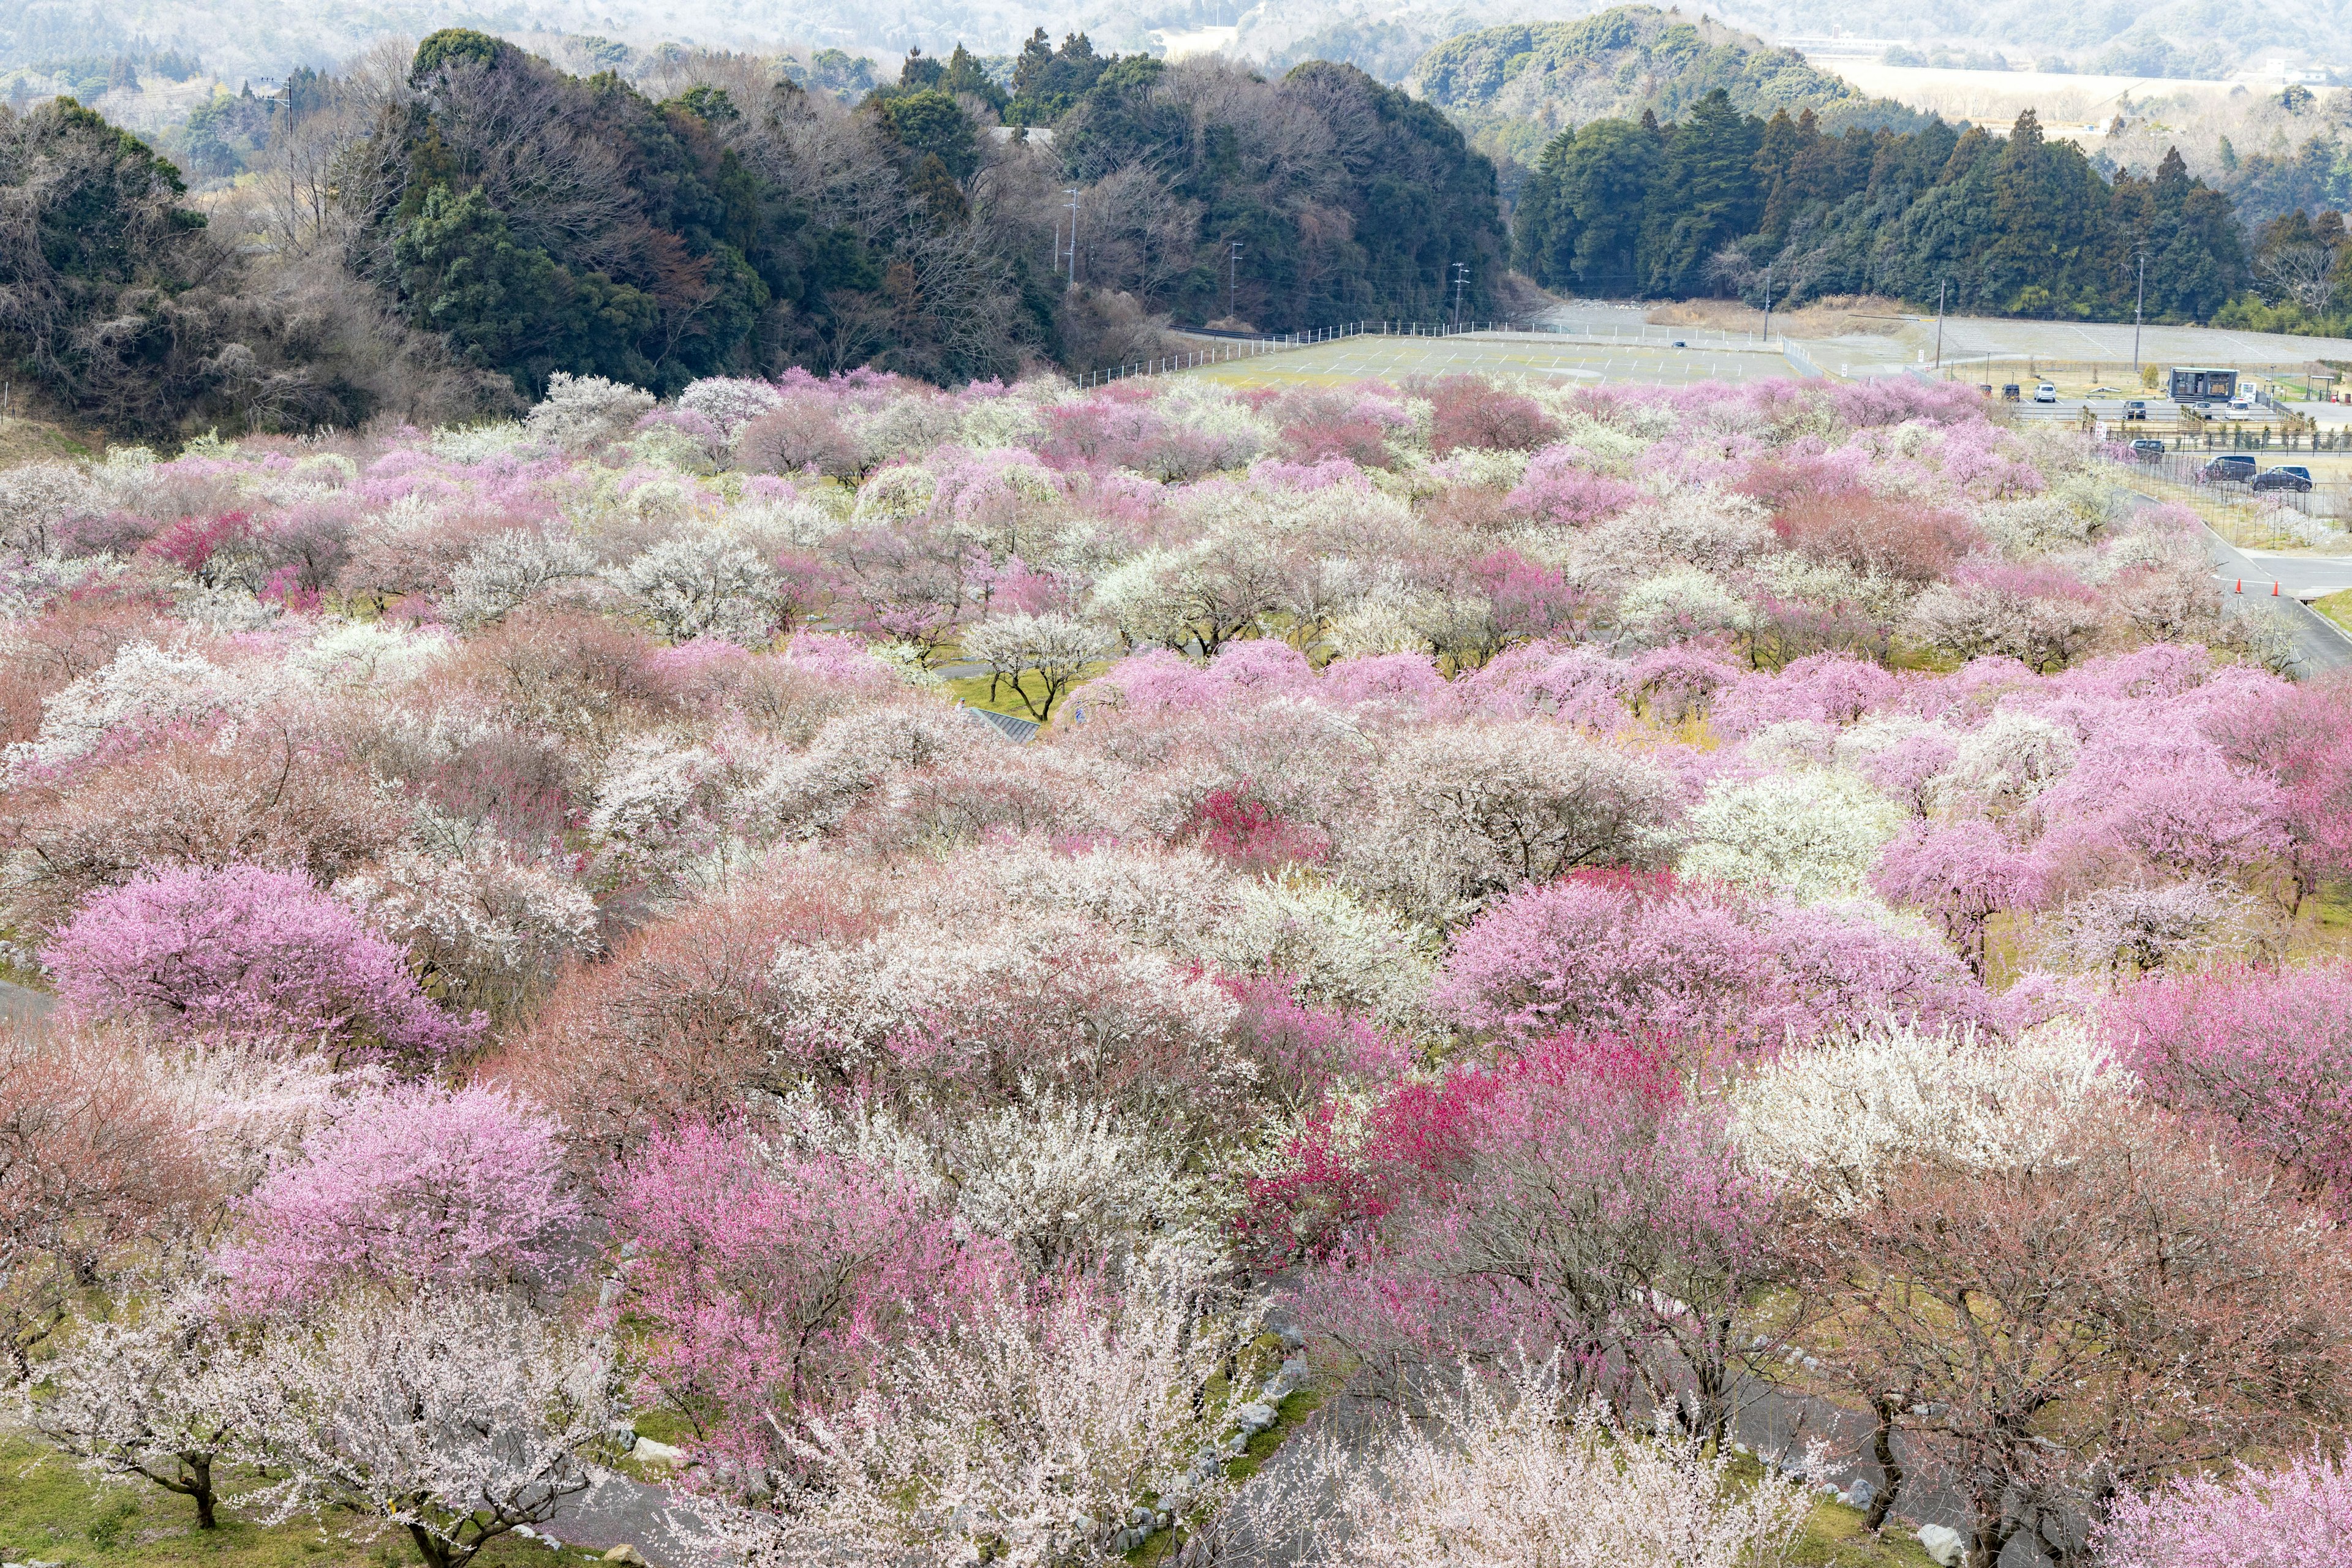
<point x="2297" y="1515"/>
<point x="250" y="953"/>
<point x="770" y="1281"/>
<point x="1615" y="952"/>
<point x="1961" y="873"/>
<point x="413" y="1186"/>
<point x="1560" y="487"/>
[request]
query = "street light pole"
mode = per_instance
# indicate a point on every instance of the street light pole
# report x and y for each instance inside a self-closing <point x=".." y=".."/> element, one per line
<point x="1233" y="279"/>
<point x="2137" y="301"/>
<point x="1461" y="275"/>
<point x="1940" y="286"/>
<point x="1768" y="301"/>
<point x="1074" y="234"/>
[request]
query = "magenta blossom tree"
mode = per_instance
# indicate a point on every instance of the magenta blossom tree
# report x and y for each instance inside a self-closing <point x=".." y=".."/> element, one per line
<point x="251" y="955"/>
<point x="1577" y="1202"/>
<point x="415" y="1186"/>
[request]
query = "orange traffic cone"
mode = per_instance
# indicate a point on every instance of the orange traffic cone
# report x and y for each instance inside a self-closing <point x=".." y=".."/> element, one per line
<point x="2242" y="584"/>
<point x="2275" y="590"/>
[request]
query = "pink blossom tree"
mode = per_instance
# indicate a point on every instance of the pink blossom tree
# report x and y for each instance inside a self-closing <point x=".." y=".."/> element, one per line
<point x="248" y="953"/>
<point x="412" y="1186"/>
<point x="2300" y="1513"/>
<point x="2265" y="1055"/>
<point x="1591" y="1209"/>
<point x="770" y="1280"/>
<point x="1961" y="873"/>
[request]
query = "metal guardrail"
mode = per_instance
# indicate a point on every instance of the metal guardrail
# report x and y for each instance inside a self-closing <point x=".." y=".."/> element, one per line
<point x="1250" y="347"/>
<point x="2329" y="501"/>
<point x="1245" y="347"/>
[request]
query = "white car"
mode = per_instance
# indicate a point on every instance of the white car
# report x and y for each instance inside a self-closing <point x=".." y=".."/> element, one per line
<point x="2045" y="393"/>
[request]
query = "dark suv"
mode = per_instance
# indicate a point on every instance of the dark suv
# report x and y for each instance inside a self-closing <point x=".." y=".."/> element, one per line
<point x="2231" y="469"/>
<point x="2289" y="476"/>
<point x="2137" y="408"/>
<point x="2148" y="449"/>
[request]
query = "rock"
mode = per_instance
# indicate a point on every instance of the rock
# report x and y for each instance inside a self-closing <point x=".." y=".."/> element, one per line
<point x="653" y="1453"/>
<point x="1254" y="1416"/>
<point x="1291" y="1334"/>
<point x="1943" y="1544"/>
<point x="626" y="1554"/>
<point x="1864" y="1494"/>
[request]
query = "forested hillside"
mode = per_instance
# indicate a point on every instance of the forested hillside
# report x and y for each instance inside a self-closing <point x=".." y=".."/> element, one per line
<point x="1515" y="88"/>
<point x="2014" y="224"/>
<point x="476" y="210"/>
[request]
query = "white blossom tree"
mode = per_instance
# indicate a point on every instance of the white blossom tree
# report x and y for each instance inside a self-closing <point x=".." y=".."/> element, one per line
<point x="704" y="586"/>
<point x="507" y="569"/>
<point x="1460" y="814"/>
<point x="452" y="1416"/>
<point x="1054" y="649"/>
<point x="1504" y="1472"/>
<point x="1813" y="834"/>
<point x="146" y="1393"/>
<point x="1029" y="1433"/>
<point x="1826" y="1121"/>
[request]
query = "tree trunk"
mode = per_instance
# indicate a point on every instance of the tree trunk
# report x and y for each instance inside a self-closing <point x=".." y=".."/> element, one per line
<point x="1882" y="1449"/>
<point x="197" y="1472"/>
<point x="430" y="1547"/>
<point x="1993" y="1528"/>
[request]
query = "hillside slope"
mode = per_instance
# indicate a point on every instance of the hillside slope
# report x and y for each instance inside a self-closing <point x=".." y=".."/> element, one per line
<point x="1516" y="86"/>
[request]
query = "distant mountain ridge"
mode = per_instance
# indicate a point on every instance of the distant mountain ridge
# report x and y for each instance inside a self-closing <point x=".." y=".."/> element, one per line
<point x="1514" y="87"/>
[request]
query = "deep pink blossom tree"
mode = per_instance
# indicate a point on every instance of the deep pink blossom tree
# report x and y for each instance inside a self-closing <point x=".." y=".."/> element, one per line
<point x="415" y="1186"/>
<point x="1576" y="1201"/>
<point x="248" y="953"/>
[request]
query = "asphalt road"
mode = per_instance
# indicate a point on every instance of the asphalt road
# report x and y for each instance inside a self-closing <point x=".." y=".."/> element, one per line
<point x="1651" y="360"/>
<point x="2257" y="577"/>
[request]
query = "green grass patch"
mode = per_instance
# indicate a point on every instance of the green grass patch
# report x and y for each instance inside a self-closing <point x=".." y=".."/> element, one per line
<point x="1834" y="1537"/>
<point x="2337" y="608"/>
<point x="974" y="689"/>
<point x="51" y="1512"/>
<point x="1294" y="1409"/>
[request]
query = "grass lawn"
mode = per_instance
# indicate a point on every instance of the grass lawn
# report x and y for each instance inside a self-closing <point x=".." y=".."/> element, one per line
<point x="50" y="1512"/>
<point x="1834" y="1537"/>
<point x="974" y="689"/>
<point x="2337" y="608"/>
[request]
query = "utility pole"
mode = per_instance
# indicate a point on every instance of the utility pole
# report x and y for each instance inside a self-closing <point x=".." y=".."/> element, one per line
<point x="1074" y="236"/>
<point x="1461" y="277"/>
<point x="1940" y="286"/>
<point x="1233" y="279"/>
<point x="2138" y="301"/>
<point x="1768" y="301"/>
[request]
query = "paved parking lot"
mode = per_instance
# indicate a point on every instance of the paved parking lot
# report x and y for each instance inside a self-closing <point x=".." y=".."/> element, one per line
<point x="1652" y="363"/>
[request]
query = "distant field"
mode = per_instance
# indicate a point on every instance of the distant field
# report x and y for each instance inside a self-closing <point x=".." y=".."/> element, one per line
<point x="2066" y="105"/>
<point x="1394" y="359"/>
